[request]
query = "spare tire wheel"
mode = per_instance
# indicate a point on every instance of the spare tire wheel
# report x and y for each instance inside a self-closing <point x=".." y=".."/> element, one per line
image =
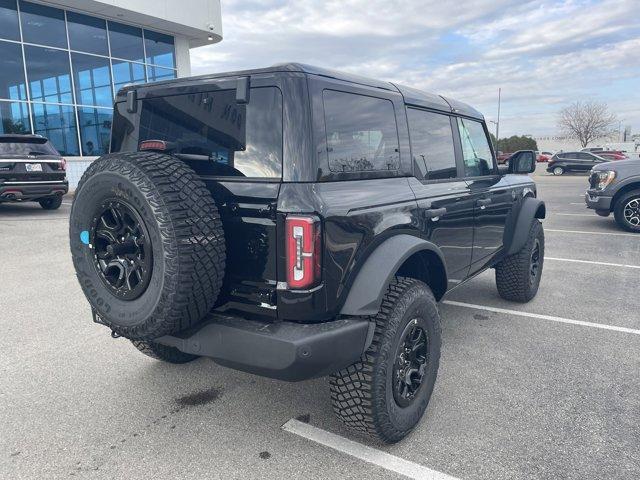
<point x="147" y="244"/>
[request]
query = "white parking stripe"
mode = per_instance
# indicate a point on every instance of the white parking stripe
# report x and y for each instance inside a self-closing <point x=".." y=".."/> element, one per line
<point x="591" y="262"/>
<point x="583" y="204"/>
<point x="602" y="326"/>
<point x="593" y="233"/>
<point x="363" y="452"/>
<point x="593" y="215"/>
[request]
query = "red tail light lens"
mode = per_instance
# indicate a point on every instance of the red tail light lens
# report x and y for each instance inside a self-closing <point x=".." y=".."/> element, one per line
<point x="153" y="145"/>
<point x="303" y="251"/>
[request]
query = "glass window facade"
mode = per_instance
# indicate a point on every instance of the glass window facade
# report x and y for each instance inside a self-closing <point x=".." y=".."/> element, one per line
<point x="60" y="70"/>
<point x="9" y="27"/>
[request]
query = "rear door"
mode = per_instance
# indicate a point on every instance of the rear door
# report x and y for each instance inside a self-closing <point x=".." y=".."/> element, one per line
<point x="237" y="150"/>
<point x="492" y="194"/>
<point x="443" y="196"/>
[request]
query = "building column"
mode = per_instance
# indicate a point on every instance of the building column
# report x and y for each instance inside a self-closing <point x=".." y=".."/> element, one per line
<point x="183" y="59"/>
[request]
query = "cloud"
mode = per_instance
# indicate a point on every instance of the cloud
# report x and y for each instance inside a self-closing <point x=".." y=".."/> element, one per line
<point x="543" y="54"/>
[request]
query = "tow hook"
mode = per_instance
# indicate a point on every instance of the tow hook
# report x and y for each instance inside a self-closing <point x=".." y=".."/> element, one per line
<point x="114" y="334"/>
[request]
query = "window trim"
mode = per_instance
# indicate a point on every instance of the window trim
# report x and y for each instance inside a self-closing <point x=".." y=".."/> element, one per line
<point x="370" y="174"/>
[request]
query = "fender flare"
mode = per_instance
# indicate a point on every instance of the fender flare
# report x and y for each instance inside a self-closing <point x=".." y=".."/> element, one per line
<point x="517" y="228"/>
<point x="370" y="285"/>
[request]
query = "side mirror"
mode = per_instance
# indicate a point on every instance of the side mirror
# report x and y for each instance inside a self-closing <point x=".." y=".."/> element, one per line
<point x="522" y="162"/>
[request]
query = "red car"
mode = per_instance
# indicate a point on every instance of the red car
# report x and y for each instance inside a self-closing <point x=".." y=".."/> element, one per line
<point x="503" y="157"/>
<point x="542" y="158"/>
<point x="612" y="155"/>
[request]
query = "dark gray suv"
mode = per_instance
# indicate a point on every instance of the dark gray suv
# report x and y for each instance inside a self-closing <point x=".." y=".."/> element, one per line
<point x="615" y="187"/>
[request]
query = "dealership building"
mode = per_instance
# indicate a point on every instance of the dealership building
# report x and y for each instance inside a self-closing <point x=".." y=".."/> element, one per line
<point x="62" y="62"/>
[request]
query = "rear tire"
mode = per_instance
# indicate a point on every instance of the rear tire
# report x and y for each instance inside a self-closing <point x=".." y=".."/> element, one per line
<point x="147" y="244"/>
<point x="558" y="171"/>
<point x="627" y="211"/>
<point x="163" y="352"/>
<point x="515" y="276"/>
<point x="369" y="396"/>
<point x="51" y="203"/>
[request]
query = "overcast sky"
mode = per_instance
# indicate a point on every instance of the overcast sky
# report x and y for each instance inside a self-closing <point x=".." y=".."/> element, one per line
<point x="544" y="54"/>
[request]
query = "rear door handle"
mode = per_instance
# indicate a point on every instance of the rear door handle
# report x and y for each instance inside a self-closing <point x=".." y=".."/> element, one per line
<point x="483" y="202"/>
<point x="435" y="212"/>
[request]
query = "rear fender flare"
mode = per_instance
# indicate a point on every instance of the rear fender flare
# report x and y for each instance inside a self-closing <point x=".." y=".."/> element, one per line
<point x="372" y="280"/>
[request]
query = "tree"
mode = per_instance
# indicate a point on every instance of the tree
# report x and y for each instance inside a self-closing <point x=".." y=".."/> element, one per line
<point x="586" y="121"/>
<point x="515" y="143"/>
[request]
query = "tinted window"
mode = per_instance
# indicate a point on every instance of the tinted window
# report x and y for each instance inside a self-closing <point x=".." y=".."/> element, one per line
<point x="92" y="80"/>
<point x="361" y="133"/>
<point x="159" y="49"/>
<point x="9" y="20"/>
<point x="58" y="124"/>
<point x="43" y="25"/>
<point x="240" y="140"/>
<point x="95" y="130"/>
<point x="432" y="144"/>
<point x="127" y="72"/>
<point x="15" y="118"/>
<point x="87" y="34"/>
<point x="26" y="146"/>
<point x="155" y="74"/>
<point x="126" y="42"/>
<point x="12" y="85"/>
<point x="49" y="75"/>
<point x="476" y="152"/>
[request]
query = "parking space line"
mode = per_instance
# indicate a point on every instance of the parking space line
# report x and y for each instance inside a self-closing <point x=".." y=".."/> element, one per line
<point x="363" y="452"/>
<point x="591" y="262"/>
<point x="602" y="326"/>
<point x="593" y="233"/>
<point x="574" y="214"/>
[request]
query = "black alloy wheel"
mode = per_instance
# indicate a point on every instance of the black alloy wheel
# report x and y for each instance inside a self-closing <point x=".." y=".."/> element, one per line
<point x="123" y="255"/>
<point x="411" y="363"/>
<point x="534" y="263"/>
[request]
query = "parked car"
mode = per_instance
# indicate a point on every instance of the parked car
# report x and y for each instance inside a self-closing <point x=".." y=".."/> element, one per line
<point x="542" y="158"/>
<point x="612" y="155"/>
<point x="503" y="158"/>
<point x="573" y="162"/>
<point x="276" y="221"/>
<point x="31" y="170"/>
<point x="615" y="187"/>
<point x="593" y="149"/>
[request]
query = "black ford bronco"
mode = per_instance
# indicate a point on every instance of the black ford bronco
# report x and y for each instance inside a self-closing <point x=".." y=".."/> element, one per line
<point x="296" y="222"/>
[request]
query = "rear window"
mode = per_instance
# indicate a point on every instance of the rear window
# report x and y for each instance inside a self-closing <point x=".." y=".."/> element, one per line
<point x="432" y="144"/>
<point x="241" y="140"/>
<point x="361" y="133"/>
<point x="26" y="146"/>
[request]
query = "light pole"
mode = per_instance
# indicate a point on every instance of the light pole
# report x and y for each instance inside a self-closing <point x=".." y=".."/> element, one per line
<point x="498" y="122"/>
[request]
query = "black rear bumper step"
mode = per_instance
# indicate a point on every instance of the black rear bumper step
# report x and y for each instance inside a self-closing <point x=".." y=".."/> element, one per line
<point x="282" y="350"/>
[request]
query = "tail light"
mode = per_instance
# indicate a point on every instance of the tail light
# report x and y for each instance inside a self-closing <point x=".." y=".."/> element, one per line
<point x="303" y="251"/>
<point x="158" y="145"/>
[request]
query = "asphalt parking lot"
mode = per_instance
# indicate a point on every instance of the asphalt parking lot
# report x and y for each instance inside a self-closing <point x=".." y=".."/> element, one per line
<point x="549" y="389"/>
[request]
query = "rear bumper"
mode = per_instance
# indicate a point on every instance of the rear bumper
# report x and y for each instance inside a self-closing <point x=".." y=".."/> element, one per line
<point x="595" y="201"/>
<point x="283" y="350"/>
<point x="33" y="190"/>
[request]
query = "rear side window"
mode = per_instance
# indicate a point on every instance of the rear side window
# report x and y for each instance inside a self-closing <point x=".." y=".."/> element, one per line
<point x="432" y="144"/>
<point x="240" y="140"/>
<point x="361" y="133"/>
<point x="26" y="146"/>
<point x="478" y="159"/>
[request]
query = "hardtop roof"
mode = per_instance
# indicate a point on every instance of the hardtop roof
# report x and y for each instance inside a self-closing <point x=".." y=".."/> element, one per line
<point x="412" y="96"/>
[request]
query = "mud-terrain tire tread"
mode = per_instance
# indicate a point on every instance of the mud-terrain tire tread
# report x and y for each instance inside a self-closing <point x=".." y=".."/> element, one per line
<point x="512" y="273"/>
<point x="353" y="397"/>
<point x="164" y="353"/>
<point x="189" y="216"/>
<point x="618" y="212"/>
<point x="51" y="203"/>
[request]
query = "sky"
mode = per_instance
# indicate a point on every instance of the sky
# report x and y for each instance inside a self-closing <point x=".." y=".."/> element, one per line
<point x="544" y="55"/>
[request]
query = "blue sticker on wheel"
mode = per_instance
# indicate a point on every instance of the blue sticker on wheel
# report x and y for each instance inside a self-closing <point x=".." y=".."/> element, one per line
<point x="84" y="237"/>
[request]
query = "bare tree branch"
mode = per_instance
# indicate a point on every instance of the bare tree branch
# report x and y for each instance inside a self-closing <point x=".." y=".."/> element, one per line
<point x="586" y="121"/>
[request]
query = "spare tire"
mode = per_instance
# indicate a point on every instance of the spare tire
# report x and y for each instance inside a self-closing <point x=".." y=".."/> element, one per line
<point x="147" y="244"/>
